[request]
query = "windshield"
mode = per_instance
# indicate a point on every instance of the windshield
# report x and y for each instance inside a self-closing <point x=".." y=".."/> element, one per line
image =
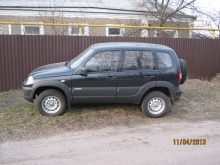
<point x="78" y="59"/>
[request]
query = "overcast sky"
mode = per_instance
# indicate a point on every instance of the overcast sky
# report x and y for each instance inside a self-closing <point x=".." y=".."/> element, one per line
<point x="208" y="4"/>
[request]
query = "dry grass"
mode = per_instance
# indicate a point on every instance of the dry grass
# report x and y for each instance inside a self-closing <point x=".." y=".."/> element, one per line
<point x="25" y="121"/>
<point x="200" y="101"/>
<point x="216" y="79"/>
<point x="20" y="119"/>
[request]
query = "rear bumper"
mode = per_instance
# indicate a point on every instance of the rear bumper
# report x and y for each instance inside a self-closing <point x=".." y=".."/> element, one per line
<point x="178" y="93"/>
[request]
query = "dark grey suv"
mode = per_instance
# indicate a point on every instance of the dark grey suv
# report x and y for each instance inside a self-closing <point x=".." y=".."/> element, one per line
<point x="137" y="73"/>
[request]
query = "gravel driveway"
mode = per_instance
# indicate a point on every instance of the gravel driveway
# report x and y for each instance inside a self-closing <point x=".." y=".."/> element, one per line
<point x="142" y="144"/>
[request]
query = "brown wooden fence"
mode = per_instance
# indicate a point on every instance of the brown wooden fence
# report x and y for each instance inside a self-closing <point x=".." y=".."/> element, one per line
<point x="19" y="55"/>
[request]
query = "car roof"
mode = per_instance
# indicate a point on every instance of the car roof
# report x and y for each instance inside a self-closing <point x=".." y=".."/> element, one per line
<point x="125" y="45"/>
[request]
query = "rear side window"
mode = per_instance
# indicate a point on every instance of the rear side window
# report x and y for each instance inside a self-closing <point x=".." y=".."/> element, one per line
<point x="163" y="60"/>
<point x="138" y="60"/>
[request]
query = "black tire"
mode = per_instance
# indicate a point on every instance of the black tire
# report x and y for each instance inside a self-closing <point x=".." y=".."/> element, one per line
<point x="183" y="67"/>
<point x="56" y="103"/>
<point x="154" y="98"/>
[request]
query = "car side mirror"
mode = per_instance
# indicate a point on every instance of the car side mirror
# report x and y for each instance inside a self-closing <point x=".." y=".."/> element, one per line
<point x="82" y="71"/>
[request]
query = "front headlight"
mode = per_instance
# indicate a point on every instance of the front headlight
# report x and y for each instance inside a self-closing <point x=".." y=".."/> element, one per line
<point x="30" y="80"/>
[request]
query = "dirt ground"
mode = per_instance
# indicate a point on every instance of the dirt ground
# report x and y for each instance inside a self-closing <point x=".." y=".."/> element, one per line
<point x="139" y="144"/>
<point x="113" y="134"/>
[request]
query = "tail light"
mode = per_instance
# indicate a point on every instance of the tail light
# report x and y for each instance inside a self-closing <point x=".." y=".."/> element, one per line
<point x="179" y="76"/>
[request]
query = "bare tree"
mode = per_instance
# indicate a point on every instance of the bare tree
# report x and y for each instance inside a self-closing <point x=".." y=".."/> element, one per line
<point x="53" y="15"/>
<point x="211" y="20"/>
<point x="164" y="11"/>
<point x="56" y="14"/>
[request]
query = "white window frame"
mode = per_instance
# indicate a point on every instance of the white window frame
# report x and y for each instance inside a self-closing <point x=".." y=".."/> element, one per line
<point x="176" y="34"/>
<point x="41" y="32"/>
<point x="9" y="29"/>
<point x="122" y="30"/>
<point x="144" y="32"/>
<point x="155" y="33"/>
<point x="85" y="31"/>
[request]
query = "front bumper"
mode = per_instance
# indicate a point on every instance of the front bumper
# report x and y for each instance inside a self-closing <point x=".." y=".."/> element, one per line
<point x="28" y="93"/>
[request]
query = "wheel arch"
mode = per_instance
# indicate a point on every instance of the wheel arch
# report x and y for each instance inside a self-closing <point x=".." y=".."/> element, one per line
<point x="39" y="90"/>
<point x="42" y="86"/>
<point x="164" y="90"/>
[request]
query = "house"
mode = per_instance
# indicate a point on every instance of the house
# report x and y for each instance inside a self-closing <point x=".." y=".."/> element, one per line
<point x="102" y="12"/>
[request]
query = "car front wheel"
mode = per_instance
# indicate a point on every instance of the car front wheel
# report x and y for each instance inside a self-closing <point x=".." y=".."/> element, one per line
<point x="155" y="104"/>
<point x="51" y="103"/>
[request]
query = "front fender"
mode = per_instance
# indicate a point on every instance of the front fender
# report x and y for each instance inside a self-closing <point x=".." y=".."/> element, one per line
<point x="54" y="84"/>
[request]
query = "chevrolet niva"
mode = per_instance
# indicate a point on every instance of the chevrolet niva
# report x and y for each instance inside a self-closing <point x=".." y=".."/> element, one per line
<point x="136" y="73"/>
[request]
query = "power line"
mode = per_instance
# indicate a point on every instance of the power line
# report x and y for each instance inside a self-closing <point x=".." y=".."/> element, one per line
<point x="46" y="9"/>
<point x="69" y="7"/>
<point x="72" y="11"/>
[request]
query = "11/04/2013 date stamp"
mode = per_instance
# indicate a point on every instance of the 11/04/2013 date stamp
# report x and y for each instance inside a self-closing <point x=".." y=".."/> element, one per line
<point x="189" y="141"/>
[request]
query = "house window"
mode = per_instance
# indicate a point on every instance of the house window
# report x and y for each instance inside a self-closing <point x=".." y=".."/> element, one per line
<point x="166" y="34"/>
<point x="74" y="31"/>
<point x="5" y="29"/>
<point x="114" y="31"/>
<point x="32" y="30"/>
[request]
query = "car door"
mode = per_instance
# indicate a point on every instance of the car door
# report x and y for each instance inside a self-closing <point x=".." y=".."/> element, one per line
<point x="99" y="85"/>
<point x="137" y="74"/>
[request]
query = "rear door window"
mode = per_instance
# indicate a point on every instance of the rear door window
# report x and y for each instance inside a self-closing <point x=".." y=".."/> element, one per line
<point x="135" y="60"/>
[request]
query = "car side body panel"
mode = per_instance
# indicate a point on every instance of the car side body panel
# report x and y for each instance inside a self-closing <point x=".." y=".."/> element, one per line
<point x="94" y="88"/>
<point x="124" y="96"/>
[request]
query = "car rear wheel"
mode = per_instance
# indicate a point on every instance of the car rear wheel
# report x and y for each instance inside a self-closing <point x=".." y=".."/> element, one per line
<point x="155" y="104"/>
<point x="51" y="103"/>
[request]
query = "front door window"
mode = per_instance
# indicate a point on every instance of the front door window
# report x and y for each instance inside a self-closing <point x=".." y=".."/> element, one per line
<point x="103" y="61"/>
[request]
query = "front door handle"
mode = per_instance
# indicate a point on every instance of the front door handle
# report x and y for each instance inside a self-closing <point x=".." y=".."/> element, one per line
<point x="148" y="76"/>
<point x="110" y="78"/>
